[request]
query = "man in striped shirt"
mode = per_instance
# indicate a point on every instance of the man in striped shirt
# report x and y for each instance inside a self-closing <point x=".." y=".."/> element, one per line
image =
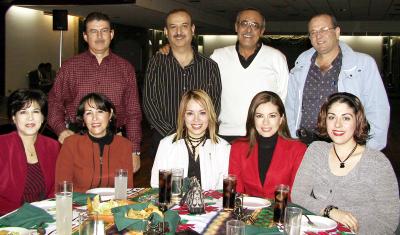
<point x="169" y="76"/>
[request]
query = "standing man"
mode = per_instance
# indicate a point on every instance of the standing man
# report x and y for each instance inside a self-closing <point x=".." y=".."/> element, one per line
<point x="169" y="76"/>
<point x="329" y="67"/>
<point x="97" y="70"/>
<point x="246" y="69"/>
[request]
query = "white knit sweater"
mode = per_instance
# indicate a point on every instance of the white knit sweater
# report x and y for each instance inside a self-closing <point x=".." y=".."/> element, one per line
<point x="267" y="72"/>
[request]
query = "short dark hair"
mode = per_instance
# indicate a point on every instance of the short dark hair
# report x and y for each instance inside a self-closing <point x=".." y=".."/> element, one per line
<point x="101" y="102"/>
<point x="251" y="9"/>
<point x="332" y="17"/>
<point x="23" y="98"/>
<point x="262" y="98"/>
<point x="176" y="11"/>
<point x="362" y="126"/>
<point x="96" y="16"/>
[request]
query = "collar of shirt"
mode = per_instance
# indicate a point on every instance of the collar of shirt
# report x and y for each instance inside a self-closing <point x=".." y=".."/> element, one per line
<point x="196" y="57"/>
<point x="246" y="63"/>
<point x="92" y="57"/>
<point x="336" y="62"/>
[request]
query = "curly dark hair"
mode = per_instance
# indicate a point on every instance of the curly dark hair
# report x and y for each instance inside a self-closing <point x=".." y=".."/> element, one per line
<point x="23" y="98"/>
<point x="362" y="126"/>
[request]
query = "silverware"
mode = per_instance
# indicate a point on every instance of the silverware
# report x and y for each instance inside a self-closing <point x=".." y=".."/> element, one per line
<point x="309" y="221"/>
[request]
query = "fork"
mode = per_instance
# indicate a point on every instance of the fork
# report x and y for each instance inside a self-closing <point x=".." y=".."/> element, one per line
<point x="309" y="221"/>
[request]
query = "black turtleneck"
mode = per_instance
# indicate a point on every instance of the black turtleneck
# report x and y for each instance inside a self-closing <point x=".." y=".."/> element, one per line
<point x="102" y="141"/>
<point x="266" y="147"/>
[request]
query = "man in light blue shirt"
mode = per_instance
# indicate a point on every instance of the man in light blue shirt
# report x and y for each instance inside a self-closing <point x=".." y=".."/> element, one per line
<point x="358" y="75"/>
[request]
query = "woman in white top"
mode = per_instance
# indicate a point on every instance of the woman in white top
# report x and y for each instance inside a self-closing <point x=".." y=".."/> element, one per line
<point x="195" y="146"/>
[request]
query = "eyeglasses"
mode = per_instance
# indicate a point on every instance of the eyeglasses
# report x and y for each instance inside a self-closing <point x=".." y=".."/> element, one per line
<point x="245" y="24"/>
<point x="101" y="31"/>
<point x="322" y="31"/>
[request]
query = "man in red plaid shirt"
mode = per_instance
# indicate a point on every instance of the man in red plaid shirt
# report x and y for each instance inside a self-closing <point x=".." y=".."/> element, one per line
<point x="97" y="70"/>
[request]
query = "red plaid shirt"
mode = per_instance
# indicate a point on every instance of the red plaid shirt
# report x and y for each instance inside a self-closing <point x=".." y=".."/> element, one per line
<point x="114" y="77"/>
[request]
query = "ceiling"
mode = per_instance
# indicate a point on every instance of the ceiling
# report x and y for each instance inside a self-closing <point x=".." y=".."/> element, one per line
<point x="217" y="16"/>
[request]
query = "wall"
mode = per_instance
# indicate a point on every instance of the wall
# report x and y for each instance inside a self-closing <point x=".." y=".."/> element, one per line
<point x="371" y="45"/>
<point x="30" y="40"/>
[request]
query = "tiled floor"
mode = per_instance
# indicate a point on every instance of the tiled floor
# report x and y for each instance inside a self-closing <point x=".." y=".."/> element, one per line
<point x="142" y="178"/>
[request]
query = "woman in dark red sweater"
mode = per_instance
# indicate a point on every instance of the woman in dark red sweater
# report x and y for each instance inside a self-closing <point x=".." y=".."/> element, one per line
<point x="27" y="159"/>
<point x="266" y="156"/>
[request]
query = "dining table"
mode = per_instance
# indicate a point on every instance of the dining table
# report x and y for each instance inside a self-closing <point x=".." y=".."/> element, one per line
<point x="212" y="221"/>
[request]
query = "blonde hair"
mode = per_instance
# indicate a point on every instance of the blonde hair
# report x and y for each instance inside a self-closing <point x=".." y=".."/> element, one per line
<point x="204" y="100"/>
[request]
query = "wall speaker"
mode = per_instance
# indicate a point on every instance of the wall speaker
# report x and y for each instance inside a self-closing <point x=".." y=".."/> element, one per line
<point x="60" y="20"/>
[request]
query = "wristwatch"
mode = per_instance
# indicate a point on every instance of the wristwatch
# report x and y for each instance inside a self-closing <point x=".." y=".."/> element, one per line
<point x="137" y="153"/>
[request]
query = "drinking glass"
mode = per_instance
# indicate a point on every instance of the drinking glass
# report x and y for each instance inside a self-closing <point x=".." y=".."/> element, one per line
<point x="281" y="198"/>
<point x="235" y="227"/>
<point x="164" y="192"/>
<point x="292" y="222"/>
<point x="177" y="183"/>
<point x="90" y="224"/>
<point x="229" y="192"/>
<point x="64" y="208"/>
<point x="121" y="183"/>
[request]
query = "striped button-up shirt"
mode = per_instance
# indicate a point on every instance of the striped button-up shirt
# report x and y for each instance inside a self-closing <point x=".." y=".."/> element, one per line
<point x="166" y="81"/>
<point x="114" y="78"/>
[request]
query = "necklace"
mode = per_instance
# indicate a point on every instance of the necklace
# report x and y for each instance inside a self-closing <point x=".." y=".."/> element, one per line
<point x="194" y="142"/>
<point x="348" y="156"/>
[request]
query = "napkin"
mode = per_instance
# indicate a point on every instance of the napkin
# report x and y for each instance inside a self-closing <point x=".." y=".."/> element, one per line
<point x="251" y="229"/>
<point x="122" y="222"/>
<point x="81" y="198"/>
<point x="27" y="216"/>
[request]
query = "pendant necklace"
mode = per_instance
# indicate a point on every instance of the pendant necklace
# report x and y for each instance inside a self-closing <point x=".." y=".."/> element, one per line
<point x="348" y="156"/>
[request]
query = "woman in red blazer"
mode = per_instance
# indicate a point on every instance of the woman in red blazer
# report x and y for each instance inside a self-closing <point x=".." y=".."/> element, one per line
<point x="266" y="156"/>
<point x="27" y="159"/>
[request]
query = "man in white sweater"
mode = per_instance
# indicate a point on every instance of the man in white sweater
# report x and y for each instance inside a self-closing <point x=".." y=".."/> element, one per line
<point x="246" y="69"/>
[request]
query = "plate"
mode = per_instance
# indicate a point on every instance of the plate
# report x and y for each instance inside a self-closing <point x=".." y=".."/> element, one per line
<point x="253" y="203"/>
<point x="20" y="231"/>
<point x="49" y="206"/>
<point x="322" y="223"/>
<point x="104" y="193"/>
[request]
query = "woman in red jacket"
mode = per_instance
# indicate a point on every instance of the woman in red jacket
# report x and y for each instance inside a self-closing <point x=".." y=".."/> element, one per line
<point x="266" y="156"/>
<point x="27" y="159"/>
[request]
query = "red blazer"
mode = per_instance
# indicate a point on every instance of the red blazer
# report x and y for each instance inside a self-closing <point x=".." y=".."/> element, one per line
<point x="13" y="168"/>
<point x="79" y="162"/>
<point x="285" y="161"/>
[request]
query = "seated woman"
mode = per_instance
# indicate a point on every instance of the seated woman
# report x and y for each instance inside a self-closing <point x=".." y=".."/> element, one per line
<point x="90" y="160"/>
<point x="266" y="156"/>
<point x="27" y="158"/>
<point x="345" y="180"/>
<point x="195" y="146"/>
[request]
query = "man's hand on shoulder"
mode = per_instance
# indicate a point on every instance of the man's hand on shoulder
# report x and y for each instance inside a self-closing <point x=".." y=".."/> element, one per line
<point x="64" y="134"/>
<point x="135" y="162"/>
<point x="164" y="49"/>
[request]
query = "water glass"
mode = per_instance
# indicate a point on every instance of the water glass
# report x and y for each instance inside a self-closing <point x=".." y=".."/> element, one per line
<point x="292" y="222"/>
<point x="281" y="198"/>
<point x="177" y="184"/>
<point x="90" y="224"/>
<point x="235" y="227"/>
<point x="121" y="183"/>
<point x="229" y="192"/>
<point x="64" y="208"/>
